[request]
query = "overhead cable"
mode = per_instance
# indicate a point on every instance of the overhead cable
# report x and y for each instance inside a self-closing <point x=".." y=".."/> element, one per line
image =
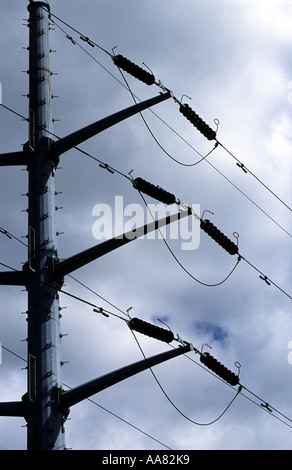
<point x="135" y="99"/>
<point x="111" y="313"/>
<point x="184" y="108"/>
<point x="100" y="406"/>
<point x="177" y="161"/>
<point x="175" y="406"/>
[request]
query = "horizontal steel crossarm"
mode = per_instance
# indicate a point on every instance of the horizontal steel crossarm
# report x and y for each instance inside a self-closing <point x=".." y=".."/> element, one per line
<point x="76" y="138"/>
<point x="11" y="408"/>
<point x="81" y="392"/>
<point x="12" y="278"/>
<point x="12" y="158"/>
<point x="81" y="259"/>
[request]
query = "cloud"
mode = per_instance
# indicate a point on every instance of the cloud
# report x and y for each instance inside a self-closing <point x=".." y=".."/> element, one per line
<point x="215" y="332"/>
<point x="232" y="59"/>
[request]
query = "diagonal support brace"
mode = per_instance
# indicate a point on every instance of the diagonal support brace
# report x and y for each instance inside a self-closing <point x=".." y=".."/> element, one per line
<point x="76" y="138"/>
<point x="85" y="257"/>
<point x="88" y="389"/>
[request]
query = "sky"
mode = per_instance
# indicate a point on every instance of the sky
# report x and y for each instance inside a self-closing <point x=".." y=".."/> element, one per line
<point x="231" y="62"/>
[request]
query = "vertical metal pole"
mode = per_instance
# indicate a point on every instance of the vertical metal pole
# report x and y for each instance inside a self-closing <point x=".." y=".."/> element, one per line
<point x="44" y="419"/>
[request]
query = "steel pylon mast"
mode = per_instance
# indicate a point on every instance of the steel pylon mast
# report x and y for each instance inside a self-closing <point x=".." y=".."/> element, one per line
<point x="45" y="405"/>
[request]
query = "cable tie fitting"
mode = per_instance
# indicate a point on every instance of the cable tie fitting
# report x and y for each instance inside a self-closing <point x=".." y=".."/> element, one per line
<point x="241" y="165"/>
<point x="86" y="39"/>
<point x="2" y="230"/>
<point x="266" y="279"/>
<point x="71" y="39"/>
<point x="184" y="343"/>
<point x="164" y="88"/>
<point x="100" y="310"/>
<point x="267" y="406"/>
<point x="106" y="167"/>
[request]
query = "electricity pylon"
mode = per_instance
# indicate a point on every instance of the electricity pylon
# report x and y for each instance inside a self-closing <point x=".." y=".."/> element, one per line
<point x="45" y="405"/>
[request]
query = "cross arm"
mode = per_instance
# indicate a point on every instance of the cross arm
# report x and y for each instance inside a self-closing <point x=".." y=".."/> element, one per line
<point x="12" y="158"/>
<point x="12" y="278"/>
<point x="81" y="392"/>
<point x="81" y="259"/>
<point x="11" y="408"/>
<point x="76" y="138"/>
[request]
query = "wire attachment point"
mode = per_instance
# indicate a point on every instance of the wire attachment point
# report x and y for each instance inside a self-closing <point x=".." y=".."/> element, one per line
<point x="128" y="310"/>
<point x="267" y="406"/>
<point x="217" y="122"/>
<point x="106" y="167"/>
<point x="86" y="39"/>
<point x="236" y="235"/>
<point x="238" y="365"/>
<point x="71" y="39"/>
<point x="180" y="102"/>
<point x="205" y="344"/>
<point x="241" y="165"/>
<point x="100" y="310"/>
<point x="266" y="279"/>
<point x="2" y="230"/>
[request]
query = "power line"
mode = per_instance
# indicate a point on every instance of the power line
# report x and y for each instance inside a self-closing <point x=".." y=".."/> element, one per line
<point x="82" y="36"/>
<point x="262" y="275"/>
<point x="269" y="407"/>
<point x="155" y="138"/>
<point x="127" y="422"/>
<point x="179" y="262"/>
<point x="111" y="169"/>
<point x="249" y="199"/>
<point x="102" y="164"/>
<point x="173" y="404"/>
<point x="243" y="167"/>
<point x="203" y="158"/>
<point x="248" y="390"/>
<point x="95" y="293"/>
<point x="135" y="98"/>
<point x="263" y="405"/>
<point x="87" y="40"/>
<point x="266" y="278"/>
<point x="111" y="313"/>
<point x="100" y="406"/>
<point x="101" y="311"/>
<point x="262" y="401"/>
<point x="9" y="235"/>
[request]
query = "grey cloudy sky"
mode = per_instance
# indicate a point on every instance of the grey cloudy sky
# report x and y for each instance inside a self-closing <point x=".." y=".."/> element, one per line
<point x="233" y="59"/>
